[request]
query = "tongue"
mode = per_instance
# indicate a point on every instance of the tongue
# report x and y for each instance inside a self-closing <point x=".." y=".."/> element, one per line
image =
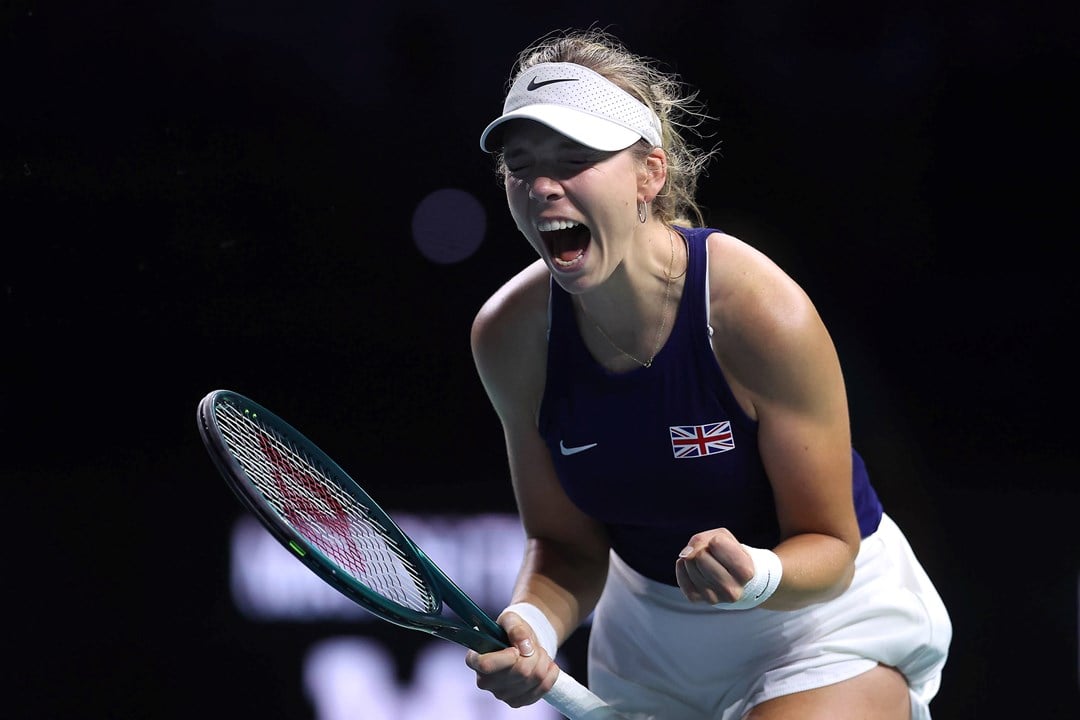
<point x="569" y="254"/>
<point x="568" y="244"/>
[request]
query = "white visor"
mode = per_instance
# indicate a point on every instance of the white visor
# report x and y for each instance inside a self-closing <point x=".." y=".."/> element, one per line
<point x="576" y="102"/>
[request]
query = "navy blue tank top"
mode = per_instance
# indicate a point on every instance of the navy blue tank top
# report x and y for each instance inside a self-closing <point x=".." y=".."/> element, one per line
<point x="657" y="454"/>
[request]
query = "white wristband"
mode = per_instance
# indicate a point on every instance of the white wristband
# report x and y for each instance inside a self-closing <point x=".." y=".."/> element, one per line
<point x="767" y="573"/>
<point x="545" y="632"/>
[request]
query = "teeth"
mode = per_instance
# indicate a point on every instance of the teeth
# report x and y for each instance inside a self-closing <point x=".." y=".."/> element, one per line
<point x="549" y="225"/>
<point x="567" y="263"/>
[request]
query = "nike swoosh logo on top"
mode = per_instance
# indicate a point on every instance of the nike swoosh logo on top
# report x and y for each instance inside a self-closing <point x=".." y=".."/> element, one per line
<point x="533" y="85"/>
<point x="574" y="450"/>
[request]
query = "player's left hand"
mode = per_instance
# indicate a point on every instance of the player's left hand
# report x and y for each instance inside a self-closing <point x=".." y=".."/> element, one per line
<point x="713" y="567"/>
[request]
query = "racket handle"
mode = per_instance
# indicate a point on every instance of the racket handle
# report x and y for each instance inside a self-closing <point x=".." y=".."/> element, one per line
<point x="577" y="702"/>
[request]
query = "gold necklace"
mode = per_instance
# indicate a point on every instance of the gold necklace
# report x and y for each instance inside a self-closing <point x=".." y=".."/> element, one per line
<point x="663" y="317"/>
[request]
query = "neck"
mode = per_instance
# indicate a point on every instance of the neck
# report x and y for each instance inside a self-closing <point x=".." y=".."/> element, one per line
<point x="626" y="322"/>
<point x="639" y="278"/>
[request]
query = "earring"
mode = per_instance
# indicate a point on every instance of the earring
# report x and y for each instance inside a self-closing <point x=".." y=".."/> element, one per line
<point x="642" y="211"/>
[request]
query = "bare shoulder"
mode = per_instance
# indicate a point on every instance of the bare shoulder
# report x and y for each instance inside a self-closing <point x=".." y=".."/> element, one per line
<point x="509" y="338"/>
<point x="764" y="324"/>
<point x="749" y="290"/>
<point x="514" y="312"/>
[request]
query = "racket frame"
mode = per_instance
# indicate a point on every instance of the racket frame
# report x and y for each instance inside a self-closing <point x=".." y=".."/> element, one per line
<point x="475" y="629"/>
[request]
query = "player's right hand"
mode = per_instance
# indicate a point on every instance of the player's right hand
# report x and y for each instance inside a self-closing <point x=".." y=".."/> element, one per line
<point x="520" y="674"/>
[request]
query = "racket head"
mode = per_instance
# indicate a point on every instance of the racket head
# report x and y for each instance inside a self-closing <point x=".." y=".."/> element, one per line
<point x="249" y="444"/>
<point x="329" y="522"/>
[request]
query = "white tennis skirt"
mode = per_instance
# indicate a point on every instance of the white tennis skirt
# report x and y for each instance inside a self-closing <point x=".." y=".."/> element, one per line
<point x="654" y="655"/>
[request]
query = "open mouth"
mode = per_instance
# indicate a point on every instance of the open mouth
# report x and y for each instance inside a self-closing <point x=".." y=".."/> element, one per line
<point x="566" y="241"/>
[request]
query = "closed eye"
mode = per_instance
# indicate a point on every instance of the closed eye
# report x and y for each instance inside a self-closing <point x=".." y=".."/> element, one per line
<point x="520" y="164"/>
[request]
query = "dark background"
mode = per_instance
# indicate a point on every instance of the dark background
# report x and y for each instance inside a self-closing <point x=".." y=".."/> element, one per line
<point x="218" y="194"/>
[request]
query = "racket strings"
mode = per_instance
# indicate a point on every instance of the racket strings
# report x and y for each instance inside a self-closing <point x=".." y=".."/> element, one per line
<point x="314" y="504"/>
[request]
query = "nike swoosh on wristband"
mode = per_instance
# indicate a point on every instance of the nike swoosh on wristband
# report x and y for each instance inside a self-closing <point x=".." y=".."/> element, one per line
<point x="574" y="450"/>
<point x="768" y="579"/>
<point x="533" y="85"/>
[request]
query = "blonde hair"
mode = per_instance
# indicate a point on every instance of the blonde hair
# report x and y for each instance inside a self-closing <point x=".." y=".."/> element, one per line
<point x="677" y="107"/>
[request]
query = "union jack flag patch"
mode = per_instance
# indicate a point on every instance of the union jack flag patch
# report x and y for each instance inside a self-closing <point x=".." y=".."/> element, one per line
<point x="690" y="441"/>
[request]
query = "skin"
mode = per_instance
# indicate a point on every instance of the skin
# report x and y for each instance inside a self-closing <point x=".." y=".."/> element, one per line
<point x="776" y="354"/>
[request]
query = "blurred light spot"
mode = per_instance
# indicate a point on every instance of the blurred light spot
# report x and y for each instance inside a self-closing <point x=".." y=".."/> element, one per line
<point x="448" y="225"/>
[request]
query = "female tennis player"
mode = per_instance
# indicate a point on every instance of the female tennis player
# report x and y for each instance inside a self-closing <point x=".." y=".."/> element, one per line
<point x="677" y="430"/>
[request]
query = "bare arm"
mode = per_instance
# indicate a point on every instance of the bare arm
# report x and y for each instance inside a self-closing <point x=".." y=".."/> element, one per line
<point x="566" y="554"/>
<point x="782" y="365"/>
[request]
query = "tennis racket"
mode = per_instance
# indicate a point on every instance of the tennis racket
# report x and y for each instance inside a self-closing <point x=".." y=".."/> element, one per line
<point x="327" y="521"/>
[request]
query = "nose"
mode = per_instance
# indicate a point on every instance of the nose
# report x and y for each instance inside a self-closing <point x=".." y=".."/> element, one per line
<point x="544" y="188"/>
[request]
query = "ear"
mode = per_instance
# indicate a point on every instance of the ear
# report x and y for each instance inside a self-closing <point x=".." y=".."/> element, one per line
<point x="654" y="174"/>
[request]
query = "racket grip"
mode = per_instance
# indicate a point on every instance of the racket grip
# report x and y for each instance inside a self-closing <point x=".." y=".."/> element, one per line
<point x="577" y="702"/>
